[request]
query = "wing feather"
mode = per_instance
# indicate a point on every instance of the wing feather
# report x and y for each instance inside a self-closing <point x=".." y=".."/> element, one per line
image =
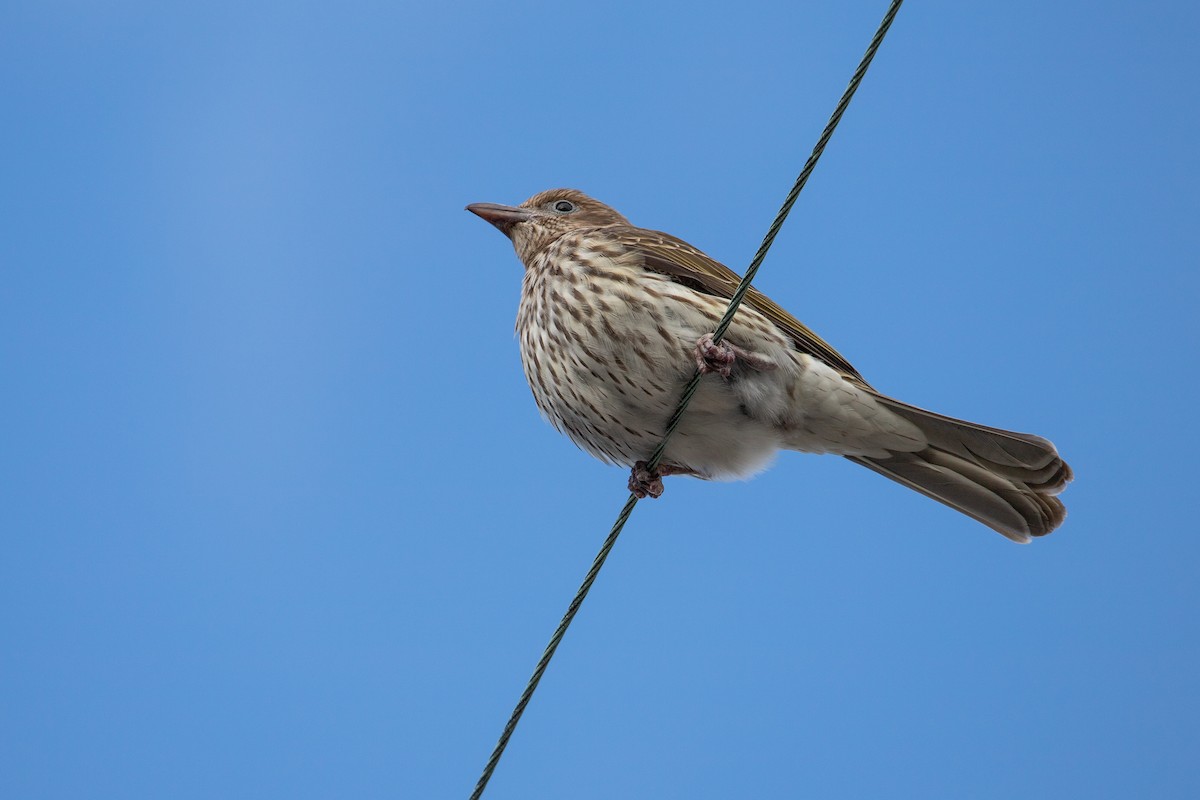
<point x="675" y="258"/>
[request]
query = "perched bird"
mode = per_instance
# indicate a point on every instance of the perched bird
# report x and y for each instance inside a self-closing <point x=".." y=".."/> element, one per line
<point x="615" y="319"/>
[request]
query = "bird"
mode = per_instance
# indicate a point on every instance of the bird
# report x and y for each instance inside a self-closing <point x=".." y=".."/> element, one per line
<point x="614" y="320"/>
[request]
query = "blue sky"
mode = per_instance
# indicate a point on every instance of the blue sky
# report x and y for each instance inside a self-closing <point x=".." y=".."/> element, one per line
<point x="280" y="518"/>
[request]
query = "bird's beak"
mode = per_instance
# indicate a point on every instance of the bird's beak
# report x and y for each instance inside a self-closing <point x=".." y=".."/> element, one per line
<point x="503" y="217"/>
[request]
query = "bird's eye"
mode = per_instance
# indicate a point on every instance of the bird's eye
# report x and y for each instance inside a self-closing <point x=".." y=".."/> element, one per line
<point x="564" y="206"/>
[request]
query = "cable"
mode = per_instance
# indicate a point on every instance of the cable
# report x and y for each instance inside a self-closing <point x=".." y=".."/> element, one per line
<point x="686" y="398"/>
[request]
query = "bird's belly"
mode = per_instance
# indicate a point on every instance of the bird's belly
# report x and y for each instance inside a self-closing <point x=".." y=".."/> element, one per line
<point x="614" y="399"/>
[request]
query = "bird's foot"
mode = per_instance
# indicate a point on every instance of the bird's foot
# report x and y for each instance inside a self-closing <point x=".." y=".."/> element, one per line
<point x="645" y="482"/>
<point x="719" y="357"/>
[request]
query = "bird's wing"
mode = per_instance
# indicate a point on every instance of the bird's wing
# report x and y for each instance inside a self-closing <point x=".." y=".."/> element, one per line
<point x="680" y="261"/>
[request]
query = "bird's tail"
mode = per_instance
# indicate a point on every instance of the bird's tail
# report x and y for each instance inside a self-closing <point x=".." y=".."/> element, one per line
<point x="1007" y="481"/>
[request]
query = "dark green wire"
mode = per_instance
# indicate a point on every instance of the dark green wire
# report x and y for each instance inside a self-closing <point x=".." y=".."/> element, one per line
<point x="656" y="458"/>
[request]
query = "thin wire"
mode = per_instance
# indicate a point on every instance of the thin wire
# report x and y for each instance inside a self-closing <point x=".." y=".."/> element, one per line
<point x="734" y="302"/>
<point x="544" y="661"/>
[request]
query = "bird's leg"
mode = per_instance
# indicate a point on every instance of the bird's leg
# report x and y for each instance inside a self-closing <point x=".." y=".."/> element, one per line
<point x="645" y="482"/>
<point x="719" y="357"/>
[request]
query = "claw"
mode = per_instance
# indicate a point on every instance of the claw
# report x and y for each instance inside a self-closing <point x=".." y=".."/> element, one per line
<point x="715" y="357"/>
<point x="644" y="482"/>
<point x="719" y="357"/>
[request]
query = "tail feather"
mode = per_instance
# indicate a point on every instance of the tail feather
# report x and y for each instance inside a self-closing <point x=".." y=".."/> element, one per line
<point x="1003" y="479"/>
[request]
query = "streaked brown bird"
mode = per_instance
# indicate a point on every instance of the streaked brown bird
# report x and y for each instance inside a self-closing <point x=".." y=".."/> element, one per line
<point x="614" y="320"/>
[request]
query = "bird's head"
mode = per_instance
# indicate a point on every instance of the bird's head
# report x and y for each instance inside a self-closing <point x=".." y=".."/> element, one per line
<point x="540" y="220"/>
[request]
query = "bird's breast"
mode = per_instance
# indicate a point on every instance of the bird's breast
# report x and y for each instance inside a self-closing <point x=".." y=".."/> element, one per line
<point x="605" y="358"/>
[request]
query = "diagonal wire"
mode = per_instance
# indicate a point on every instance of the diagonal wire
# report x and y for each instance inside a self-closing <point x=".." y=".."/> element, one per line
<point x="655" y="459"/>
